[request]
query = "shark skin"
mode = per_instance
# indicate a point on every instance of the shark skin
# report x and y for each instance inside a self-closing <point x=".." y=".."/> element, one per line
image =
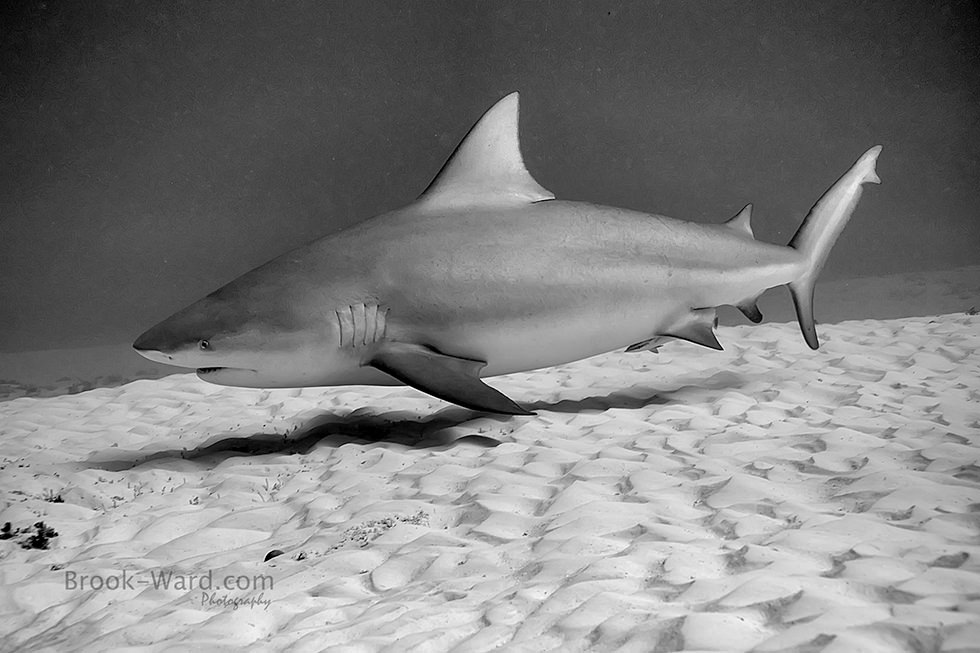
<point x="486" y="274"/>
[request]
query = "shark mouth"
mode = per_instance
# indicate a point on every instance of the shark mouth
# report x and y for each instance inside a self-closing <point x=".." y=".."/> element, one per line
<point x="212" y="370"/>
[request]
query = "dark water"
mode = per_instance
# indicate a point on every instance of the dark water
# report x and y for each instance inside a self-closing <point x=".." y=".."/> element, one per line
<point x="153" y="151"/>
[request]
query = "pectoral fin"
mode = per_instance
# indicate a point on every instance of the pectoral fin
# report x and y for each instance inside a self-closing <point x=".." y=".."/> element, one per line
<point x="447" y="377"/>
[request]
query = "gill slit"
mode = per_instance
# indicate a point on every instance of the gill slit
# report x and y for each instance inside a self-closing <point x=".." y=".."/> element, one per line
<point x="368" y="320"/>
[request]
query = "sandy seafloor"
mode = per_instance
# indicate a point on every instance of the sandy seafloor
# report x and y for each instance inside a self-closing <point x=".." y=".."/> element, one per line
<point x="764" y="498"/>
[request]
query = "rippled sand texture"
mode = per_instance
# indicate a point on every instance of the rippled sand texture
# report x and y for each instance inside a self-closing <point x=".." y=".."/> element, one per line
<point x="764" y="498"/>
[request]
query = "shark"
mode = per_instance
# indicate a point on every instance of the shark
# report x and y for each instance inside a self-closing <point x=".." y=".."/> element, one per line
<point x="487" y="273"/>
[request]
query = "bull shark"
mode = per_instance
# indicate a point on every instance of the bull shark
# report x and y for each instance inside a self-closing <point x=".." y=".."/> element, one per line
<point x="487" y="273"/>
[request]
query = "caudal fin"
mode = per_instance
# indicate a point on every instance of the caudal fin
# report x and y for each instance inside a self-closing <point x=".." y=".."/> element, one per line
<point x="819" y="231"/>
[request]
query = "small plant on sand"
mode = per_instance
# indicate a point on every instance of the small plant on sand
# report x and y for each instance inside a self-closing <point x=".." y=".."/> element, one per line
<point x="137" y="488"/>
<point x="51" y="497"/>
<point x="364" y="533"/>
<point x="271" y="489"/>
<point x="41" y="537"/>
<point x="38" y="540"/>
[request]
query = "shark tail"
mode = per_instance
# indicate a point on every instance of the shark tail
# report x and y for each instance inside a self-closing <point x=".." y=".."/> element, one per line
<point x="819" y="231"/>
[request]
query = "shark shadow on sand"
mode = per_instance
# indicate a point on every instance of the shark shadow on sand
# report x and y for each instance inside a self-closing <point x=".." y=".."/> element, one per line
<point x="442" y="429"/>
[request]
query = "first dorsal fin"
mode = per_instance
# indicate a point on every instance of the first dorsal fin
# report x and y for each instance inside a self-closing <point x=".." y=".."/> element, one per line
<point x="487" y="168"/>
<point x="742" y="221"/>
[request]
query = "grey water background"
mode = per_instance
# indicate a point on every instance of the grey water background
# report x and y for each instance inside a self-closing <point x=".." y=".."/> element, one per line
<point x="152" y="151"/>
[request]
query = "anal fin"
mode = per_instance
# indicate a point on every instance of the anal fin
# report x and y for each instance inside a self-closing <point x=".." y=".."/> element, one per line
<point x="697" y="327"/>
<point x="450" y="378"/>
<point x="750" y="309"/>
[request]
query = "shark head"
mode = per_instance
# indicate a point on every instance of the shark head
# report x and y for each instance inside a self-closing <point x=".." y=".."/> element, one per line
<point x="227" y="341"/>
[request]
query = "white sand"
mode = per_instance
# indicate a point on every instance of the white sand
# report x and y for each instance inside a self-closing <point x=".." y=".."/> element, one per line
<point x="764" y="498"/>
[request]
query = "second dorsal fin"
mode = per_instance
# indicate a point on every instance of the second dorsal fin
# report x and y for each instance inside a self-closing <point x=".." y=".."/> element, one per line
<point x="487" y="168"/>
<point x="742" y="221"/>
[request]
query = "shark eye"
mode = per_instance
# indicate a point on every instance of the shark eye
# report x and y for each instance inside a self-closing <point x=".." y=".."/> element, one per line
<point x="204" y="345"/>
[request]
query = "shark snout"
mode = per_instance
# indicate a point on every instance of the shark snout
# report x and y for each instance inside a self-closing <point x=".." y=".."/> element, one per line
<point x="149" y="346"/>
<point x="154" y="355"/>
